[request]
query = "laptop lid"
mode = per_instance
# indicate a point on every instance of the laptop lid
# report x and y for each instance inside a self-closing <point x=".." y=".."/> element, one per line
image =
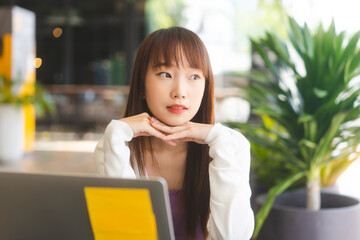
<point x="49" y="206"/>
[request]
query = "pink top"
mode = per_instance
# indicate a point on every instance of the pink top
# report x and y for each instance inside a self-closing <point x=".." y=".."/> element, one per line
<point x="178" y="216"/>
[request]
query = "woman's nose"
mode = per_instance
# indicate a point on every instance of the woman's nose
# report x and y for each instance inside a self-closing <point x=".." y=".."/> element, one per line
<point x="179" y="89"/>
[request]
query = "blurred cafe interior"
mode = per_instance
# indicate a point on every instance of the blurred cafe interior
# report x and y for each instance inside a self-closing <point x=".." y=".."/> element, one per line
<point x="81" y="53"/>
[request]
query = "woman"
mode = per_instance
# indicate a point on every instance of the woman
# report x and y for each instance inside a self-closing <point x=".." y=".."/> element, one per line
<point x="168" y="131"/>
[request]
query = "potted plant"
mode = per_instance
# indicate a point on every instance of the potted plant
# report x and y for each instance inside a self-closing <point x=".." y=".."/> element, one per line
<point x="307" y="100"/>
<point x="11" y="115"/>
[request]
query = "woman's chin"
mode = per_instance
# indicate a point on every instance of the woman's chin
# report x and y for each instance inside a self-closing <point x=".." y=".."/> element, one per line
<point x="174" y="122"/>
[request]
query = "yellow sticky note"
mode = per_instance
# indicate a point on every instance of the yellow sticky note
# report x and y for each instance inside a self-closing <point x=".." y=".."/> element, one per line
<point x="117" y="213"/>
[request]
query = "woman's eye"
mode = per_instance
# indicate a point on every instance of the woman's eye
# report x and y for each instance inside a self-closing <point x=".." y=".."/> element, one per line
<point x="164" y="75"/>
<point x="195" y="77"/>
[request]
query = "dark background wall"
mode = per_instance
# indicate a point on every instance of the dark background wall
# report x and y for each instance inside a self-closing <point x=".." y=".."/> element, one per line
<point x="87" y="49"/>
<point x="98" y="40"/>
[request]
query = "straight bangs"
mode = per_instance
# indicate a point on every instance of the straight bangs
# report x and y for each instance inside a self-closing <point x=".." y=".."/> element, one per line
<point x="177" y="47"/>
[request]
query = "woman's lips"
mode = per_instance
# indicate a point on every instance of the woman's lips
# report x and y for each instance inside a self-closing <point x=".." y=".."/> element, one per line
<point x="176" y="108"/>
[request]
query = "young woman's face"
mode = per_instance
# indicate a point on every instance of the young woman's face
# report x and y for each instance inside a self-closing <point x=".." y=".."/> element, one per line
<point x="174" y="94"/>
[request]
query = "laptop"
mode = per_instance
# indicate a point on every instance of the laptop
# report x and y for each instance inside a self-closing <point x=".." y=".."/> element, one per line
<point x="51" y="206"/>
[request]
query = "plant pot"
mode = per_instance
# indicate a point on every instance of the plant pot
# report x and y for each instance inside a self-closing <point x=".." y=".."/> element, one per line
<point x="339" y="218"/>
<point x="11" y="133"/>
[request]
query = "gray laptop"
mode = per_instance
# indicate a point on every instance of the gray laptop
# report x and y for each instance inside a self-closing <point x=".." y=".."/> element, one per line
<point x="49" y="206"/>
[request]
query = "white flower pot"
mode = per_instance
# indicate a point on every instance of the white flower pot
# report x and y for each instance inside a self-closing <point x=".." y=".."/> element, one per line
<point x="11" y="133"/>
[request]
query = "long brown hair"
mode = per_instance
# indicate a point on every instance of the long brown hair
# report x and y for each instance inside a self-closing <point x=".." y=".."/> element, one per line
<point x="167" y="46"/>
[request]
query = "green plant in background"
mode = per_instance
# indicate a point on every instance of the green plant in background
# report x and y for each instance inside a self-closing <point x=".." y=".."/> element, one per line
<point x="40" y="99"/>
<point x="306" y="100"/>
<point x="268" y="163"/>
<point x="268" y="15"/>
<point x="163" y="14"/>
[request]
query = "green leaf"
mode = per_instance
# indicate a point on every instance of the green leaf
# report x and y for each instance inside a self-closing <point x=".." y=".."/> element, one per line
<point x="350" y="48"/>
<point x="308" y="41"/>
<point x="325" y="142"/>
<point x="355" y="62"/>
<point x="262" y="52"/>
<point x="320" y="93"/>
<point x="295" y="34"/>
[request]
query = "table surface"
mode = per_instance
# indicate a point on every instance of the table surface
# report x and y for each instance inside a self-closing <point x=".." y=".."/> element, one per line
<point x="77" y="157"/>
<point x="57" y="156"/>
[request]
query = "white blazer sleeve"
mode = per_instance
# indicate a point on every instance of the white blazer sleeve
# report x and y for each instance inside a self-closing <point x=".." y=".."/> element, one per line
<point x="112" y="155"/>
<point x="231" y="216"/>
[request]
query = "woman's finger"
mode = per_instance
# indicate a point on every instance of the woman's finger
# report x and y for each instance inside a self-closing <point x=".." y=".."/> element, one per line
<point x="182" y="139"/>
<point x="193" y="132"/>
<point x="141" y="126"/>
<point x="175" y="136"/>
<point x="165" y="128"/>
<point x="155" y="133"/>
<point x="151" y="131"/>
